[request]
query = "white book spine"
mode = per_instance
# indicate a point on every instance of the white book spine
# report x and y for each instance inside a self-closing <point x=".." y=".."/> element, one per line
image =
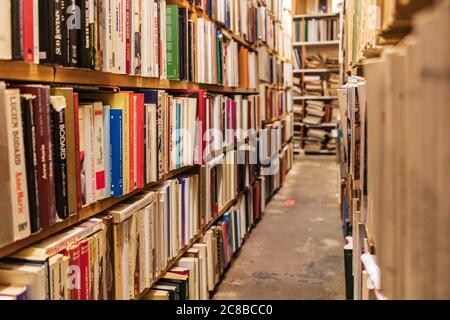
<point x="14" y="202"/>
<point x="144" y="40"/>
<point x="5" y="30"/>
<point x="162" y="46"/>
<point x="36" y="30"/>
<point x="89" y="163"/>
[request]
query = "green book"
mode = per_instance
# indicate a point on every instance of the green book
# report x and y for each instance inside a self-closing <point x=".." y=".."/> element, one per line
<point x="173" y="42"/>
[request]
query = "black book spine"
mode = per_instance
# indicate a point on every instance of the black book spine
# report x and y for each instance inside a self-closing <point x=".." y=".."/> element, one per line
<point x="182" y="44"/>
<point x="62" y="13"/>
<point x="60" y="159"/>
<point x="72" y="23"/>
<point x="29" y="137"/>
<point x="83" y="35"/>
<point x="17" y="29"/>
<point x="46" y="31"/>
<point x="58" y="32"/>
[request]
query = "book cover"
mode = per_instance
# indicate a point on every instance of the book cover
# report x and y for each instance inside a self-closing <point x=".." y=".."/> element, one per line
<point x="86" y="116"/>
<point x="58" y="108"/>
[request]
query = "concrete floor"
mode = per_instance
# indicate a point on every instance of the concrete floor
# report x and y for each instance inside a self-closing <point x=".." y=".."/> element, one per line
<point x="295" y="253"/>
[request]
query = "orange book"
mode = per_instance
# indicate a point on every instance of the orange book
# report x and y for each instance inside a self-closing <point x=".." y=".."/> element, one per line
<point x="243" y="67"/>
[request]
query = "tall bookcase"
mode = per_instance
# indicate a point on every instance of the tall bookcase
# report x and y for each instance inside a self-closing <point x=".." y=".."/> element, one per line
<point x="318" y="73"/>
<point x="273" y="109"/>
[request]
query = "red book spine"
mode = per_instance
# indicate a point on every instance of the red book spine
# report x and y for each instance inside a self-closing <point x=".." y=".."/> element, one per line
<point x="75" y="274"/>
<point x="132" y="142"/>
<point x="84" y="271"/>
<point x="28" y="31"/>
<point x="128" y="36"/>
<point x="77" y="152"/>
<point x="140" y="115"/>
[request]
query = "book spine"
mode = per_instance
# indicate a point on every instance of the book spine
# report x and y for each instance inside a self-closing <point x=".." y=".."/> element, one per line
<point x="17" y="25"/>
<point x="28" y="31"/>
<point x="75" y="272"/>
<point x="77" y="152"/>
<point x="92" y="24"/>
<point x="29" y="137"/>
<point x="131" y="143"/>
<point x="107" y="149"/>
<point x="116" y="153"/>
<point x="58" y="106"/>
<point x="36" y="36"/>
<point x="84" y="271"/>
<point x="83" y="34"/>
<point x="18" y="206"/>
<point x="140" y="116"/>
<point x="58" y="56"/>
<point x="46" y="29"/>
<point x="73" y="26"/>
<point x="156" y="31"/>
<point x="172" y="39"/>
<point x="99" y="152"/>
<point x="89" y="162"/>
<point x="128" y="22"/>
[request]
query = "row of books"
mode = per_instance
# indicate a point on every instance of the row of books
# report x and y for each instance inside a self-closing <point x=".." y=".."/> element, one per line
<point x="316" y="30"/>
<point x="272" y="69"/>
<point x="316" y="60"/>
<point x="115" y="256"/>
<point x="93" y="145"/>
<point x="273" y="102"/>
<point x="199" y="271"/>
<point x="122" y="253"/>
<point x="321" y="112"/>
<point x="321" y="85"/>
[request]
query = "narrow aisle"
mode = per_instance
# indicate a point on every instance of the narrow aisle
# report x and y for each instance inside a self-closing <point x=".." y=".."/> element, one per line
<point x="296" y="251"/>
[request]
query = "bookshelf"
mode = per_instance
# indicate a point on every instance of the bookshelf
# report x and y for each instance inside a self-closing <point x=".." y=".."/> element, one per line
<point x="318" y="69"/>
<point x="278" y="48"/>
<point x="385" y="218"/>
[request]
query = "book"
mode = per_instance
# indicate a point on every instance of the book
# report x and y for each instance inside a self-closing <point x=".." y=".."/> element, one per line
<point x="173" y="43"/>
<point x="58" y="106"/>
<point x="15" y="202"/>
<point x="6" y="31"/>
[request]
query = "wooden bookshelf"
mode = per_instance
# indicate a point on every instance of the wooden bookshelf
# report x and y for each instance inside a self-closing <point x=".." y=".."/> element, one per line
<point x="84" y="214"/>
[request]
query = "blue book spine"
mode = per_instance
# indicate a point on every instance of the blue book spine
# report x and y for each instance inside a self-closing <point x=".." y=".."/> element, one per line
<point x="178" y="137"/>
<point x="107" y="148"/>
<point x="116" y="153"/>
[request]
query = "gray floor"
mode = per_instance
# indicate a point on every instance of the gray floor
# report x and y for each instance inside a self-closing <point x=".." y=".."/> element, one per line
<point x="295" y="253"/>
